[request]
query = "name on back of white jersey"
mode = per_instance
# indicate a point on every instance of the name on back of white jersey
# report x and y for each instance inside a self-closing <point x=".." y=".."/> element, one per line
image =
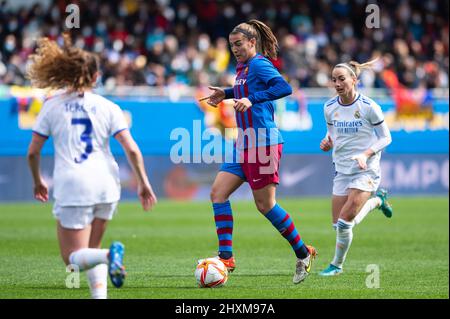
<point x="75" y="107"/>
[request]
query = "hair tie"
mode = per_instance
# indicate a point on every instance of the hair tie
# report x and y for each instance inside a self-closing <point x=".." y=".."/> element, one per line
<point x="245" y="32"/>
<point x="348" y="68"/>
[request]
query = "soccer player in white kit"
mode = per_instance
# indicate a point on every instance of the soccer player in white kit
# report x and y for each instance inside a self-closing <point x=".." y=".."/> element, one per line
<point x="86" y="176"/>
<point x="357" y="133"/>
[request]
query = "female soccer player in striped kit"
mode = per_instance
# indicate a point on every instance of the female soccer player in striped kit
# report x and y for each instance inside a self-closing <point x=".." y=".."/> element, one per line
<point x="86" y="176"/>
<point x="259" y="145"/>
<point x="357" y="133"/>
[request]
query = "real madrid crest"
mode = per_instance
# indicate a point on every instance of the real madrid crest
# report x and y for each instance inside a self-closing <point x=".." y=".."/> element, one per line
<point x="357" y="115"/>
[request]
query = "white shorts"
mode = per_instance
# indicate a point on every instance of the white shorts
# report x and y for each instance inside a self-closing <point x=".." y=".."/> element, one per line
<point x="367" y="181"/>
<point x="78" y="217"/>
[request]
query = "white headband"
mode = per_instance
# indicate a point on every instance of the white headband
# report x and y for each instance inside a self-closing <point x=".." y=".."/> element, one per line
<point x="347" y="67"/>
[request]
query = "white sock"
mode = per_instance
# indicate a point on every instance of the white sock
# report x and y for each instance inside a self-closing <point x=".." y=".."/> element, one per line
<point x="334" y="226"/>
<point x="86" y="258"/>
<point x="98" y="281"/>
<point x="370" y="205"/>
<point x="344" y="236"/>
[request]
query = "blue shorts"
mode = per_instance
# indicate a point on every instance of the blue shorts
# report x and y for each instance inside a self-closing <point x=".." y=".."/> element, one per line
<point x="233" y="168"/>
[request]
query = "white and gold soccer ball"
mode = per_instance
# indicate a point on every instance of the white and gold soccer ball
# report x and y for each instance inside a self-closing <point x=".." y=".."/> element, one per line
<point x="211" y="273"/>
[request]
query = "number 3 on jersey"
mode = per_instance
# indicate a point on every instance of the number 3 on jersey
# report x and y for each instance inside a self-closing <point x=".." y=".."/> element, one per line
<point x="85" y="137"/>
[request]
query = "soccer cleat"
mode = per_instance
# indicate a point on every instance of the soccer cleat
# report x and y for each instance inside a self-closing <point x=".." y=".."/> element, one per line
<point x="303" y="266"/>
<point x="385" y="207"/>
<point x="331" y="270"/>
<point x="230" y="263"/>
<point x="115" y="268"/>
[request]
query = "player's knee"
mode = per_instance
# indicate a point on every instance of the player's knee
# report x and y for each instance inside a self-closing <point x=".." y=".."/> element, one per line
<point x="217" y="196"/>
<point x="351" y="207"/>
<point x="348" y="214"/>
<point x="263" y="206"/>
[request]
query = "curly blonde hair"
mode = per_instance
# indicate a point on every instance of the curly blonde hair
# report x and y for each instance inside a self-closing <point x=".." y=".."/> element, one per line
<point x="68" y="67"/>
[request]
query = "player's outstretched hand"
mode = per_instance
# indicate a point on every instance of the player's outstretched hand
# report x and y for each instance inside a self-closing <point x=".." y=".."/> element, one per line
<point x="242" y="105"/>
<point x="326" y="144"/>
<point x="216" y="97"/>
<point x="361" y="159"/>
<point x="147" y="196"/>
<point x="41" y="191"/>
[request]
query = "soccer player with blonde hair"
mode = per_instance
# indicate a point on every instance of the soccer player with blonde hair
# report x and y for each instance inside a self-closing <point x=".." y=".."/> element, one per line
<point x="357" y="133"/>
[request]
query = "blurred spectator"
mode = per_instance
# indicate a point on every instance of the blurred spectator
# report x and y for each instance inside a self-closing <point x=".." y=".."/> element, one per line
<point x="160" y="41"/>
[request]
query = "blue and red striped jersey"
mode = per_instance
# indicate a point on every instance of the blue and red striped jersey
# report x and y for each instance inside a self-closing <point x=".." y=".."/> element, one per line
<point x="251" y="77"/>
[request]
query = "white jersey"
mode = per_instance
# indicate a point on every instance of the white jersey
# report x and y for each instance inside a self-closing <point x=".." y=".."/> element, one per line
<point x="85" y="171"/>
<point x="352" y="130"/>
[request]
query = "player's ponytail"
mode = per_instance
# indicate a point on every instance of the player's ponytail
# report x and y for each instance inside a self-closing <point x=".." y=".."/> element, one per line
<point x="266" y="42"/>
<point x="65" y="67"/>
<point x="355" y="68"/>
<point x="361" y="66"/>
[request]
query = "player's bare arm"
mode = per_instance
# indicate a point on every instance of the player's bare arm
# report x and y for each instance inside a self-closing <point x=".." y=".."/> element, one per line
<point x="40" y="188"/>
<point x="145" y="192"/>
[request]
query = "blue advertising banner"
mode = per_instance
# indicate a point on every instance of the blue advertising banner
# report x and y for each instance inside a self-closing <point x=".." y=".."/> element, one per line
<point x="300" y="175"/>
<point x="415" y="163"/>
<point x="155" y="122"/>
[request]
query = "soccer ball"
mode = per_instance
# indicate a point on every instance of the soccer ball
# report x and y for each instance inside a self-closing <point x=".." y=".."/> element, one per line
<point x="211" y="273"/>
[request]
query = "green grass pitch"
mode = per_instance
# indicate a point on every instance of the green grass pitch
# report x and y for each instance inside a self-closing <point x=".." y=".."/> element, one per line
<point x="411" y="251"/>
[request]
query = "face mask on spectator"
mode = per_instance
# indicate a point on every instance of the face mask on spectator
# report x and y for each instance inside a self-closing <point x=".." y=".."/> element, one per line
<point x="10" y="44"/>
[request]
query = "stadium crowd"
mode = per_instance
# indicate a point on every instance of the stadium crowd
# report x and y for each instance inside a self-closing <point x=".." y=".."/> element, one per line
<point x="159" y="42"/>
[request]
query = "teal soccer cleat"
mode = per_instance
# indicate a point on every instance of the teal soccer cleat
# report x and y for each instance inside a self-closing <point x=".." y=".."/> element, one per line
<point x="115" y="268"/>
<point x="385" y="207"/>
<point x="332" y="270"/>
